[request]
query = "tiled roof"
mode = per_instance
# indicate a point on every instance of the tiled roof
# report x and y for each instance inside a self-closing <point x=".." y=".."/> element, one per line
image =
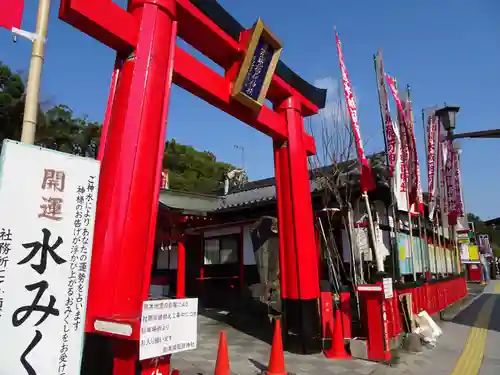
<point x="253" y="192"/>
<point x="256" y="195"/>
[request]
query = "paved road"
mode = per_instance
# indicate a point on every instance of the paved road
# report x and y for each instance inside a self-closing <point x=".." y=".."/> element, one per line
<point x="470" y="345"/>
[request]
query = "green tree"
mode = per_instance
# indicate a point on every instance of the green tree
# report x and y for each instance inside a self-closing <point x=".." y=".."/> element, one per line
<point x="11" y="102"/>
<point x="481" y="228"/>
<point x="59" y="129"/>
<point x="192" y="170"/>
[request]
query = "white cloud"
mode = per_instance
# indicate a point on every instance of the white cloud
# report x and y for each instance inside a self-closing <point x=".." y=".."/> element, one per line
<point x="331" y="126"/>
<point x="335" y="107"/>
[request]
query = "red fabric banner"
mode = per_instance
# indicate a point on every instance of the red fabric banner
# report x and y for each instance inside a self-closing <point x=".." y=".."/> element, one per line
<point x="458" y="187"/>
<point x="390" y="133"/>
<point x="432" y="137"/>
<point x="404" y="136"/>
<point x="443" y="197"/>
<point x="419" y="200"/>
<point x="449" y="180"/>
<point x="366" y="174"/>
<point x="11" y="13"/>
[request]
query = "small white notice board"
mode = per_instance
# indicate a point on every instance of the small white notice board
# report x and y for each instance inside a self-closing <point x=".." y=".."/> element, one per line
<point x="388" y="292"/>
<point x="168" y="326"/>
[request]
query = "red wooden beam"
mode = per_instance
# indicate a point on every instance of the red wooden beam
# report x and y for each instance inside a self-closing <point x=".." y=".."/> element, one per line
<point x="200" y="80"/>
<point x="107" y="22"/>
<point x="118" y="29"/>
<point x="195" y="77"/>
<point x="104" y="21"/>
<point x="202" y="33"/>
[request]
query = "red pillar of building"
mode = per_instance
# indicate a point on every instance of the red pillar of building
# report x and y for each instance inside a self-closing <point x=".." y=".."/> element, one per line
<point x="302" y="311"/>
<point x="129" y="181"/>
<point x="181" y="270"/>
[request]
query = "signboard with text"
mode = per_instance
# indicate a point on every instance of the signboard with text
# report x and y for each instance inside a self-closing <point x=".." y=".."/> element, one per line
<point x="388" y="290"/>
<point x="48" y="203"/>
<point x="168" y="326"/>
<point x="262" y="52"/>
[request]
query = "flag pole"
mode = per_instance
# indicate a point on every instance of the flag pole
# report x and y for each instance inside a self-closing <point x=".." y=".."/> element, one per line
<point x="365" y="185"/>
<point x="392" y="205"/>
<point x="441" y="237"/>
<point x="35" y="72"/>
<point x="407" y="176"/>
<point x="425" y="267"/>
<point x="433" y="224"/>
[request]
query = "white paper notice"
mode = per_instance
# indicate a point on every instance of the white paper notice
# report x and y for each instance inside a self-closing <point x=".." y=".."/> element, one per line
<point x="388" y="292"/>
<point x="168" y="326"/>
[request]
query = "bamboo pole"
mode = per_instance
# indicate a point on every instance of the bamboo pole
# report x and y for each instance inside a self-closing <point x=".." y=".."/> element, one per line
<point x="35" y="72"/>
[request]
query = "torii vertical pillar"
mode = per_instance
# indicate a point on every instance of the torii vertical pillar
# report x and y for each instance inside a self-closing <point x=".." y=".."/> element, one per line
<point x="297" y="233"/>
<point x="129" y="182"/>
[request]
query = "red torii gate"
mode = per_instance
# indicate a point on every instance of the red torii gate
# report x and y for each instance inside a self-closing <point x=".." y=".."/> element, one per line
<point x="132" y="144"/>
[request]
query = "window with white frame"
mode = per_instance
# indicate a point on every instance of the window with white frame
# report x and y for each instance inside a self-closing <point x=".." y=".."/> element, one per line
<point x="221" y="250"/>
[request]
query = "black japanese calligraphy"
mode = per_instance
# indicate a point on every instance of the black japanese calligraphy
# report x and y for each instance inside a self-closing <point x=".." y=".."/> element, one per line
<point x="5" y="247"/>
<point x="5" y="235"/>
<point x="27" y="366"/>
<point x="41" y="287"/>
<point x="45" y="248"/>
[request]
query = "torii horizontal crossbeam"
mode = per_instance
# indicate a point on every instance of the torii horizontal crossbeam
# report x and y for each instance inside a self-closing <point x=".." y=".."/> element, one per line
<point x="111" y="25"/>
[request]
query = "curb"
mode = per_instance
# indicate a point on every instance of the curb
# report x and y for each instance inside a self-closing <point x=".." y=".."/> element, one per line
<point x="449" y="317"/>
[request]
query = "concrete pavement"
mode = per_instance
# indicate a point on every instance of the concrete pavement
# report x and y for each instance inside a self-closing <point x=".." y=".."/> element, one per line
<point x="470" y="345"/>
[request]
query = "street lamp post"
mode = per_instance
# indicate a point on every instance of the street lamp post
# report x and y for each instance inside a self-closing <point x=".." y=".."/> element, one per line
<point x="448" y="117"/>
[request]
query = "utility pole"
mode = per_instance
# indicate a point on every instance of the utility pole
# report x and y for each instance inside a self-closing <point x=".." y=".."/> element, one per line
<point x="242" y="149"/>
<point x="35" y="72"/>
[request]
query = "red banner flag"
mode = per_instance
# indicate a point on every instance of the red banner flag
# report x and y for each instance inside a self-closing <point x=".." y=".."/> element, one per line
<point x="458" y="186"/>
<point x="449" y="179"/>
<point x="11" y="13"/>
<point x="366" y="174"/>
<point x="404" y="137"/>
<point x="390" y="132"/>
<point x="419" y="201"/>
<point x="433" y="135"/>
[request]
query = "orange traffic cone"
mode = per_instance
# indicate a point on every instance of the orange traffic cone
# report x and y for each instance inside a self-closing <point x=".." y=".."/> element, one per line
<point x="277" y="357"/>
<point x="337" y="350"/>
<point x="222" y="363"/>
<point x="175" y="372"/>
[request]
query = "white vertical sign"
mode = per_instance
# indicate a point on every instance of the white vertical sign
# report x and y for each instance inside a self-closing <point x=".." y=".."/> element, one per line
<point x="48" y="203"/>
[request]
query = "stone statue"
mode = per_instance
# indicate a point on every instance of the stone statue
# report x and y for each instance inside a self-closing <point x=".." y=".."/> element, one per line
<point x="265" y="242"/>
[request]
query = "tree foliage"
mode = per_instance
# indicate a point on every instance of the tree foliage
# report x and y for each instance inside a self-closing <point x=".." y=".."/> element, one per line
<point x="481" y="228"/>
<point x="59" y="129"/>
<point x="192" y="170"/>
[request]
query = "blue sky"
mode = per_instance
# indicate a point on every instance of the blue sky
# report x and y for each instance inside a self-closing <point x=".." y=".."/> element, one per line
<point x="448" y="51"/>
